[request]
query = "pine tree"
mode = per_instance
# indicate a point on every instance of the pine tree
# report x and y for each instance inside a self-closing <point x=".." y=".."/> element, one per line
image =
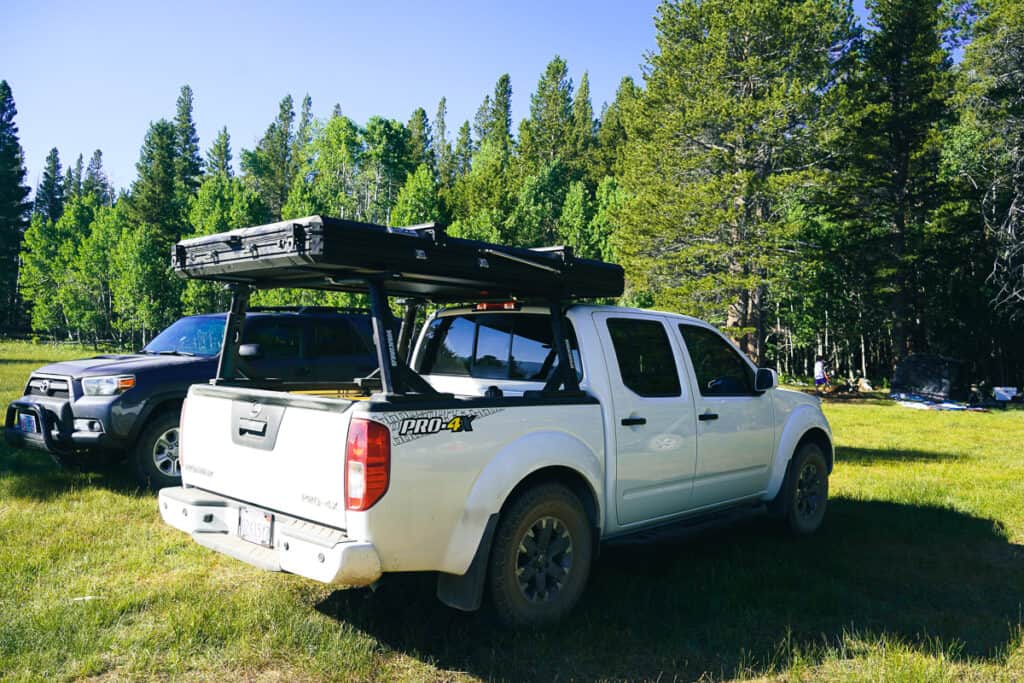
<point x="303" y="135"/>
<point x="890" y="158"/>
<point x="73" y="177"/>
<point x="718" y="139"/>
<point x="188" y="164"/>
<point x="463" y="154"/>
<point x="583" y="129"/>
<point x="421" y="143"/>
<point x="547" y="134"/>
<point x="991" y="155"/>
<point x="49" y="197"/>
<point x="443" y="159"/>
<point x="499" y="124"/>
<point x="269" y="167"/>
<point x="611" y="133"/>
<point x="96" y="182"/>
<point x="14" y="209"/>
<point x="155" y="196"/>
<point x="218" y="158"/>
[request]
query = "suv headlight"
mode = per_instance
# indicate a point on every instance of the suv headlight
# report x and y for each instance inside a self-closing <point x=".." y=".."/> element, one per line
<point x="108" y="385"/>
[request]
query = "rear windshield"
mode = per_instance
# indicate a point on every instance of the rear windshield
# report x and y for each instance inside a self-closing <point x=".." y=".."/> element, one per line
<point x="511" y="346"/>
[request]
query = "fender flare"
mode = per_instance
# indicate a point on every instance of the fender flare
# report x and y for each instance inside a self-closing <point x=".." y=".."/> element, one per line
<point x="506" y="470"/>
<point x="803" y="419"/>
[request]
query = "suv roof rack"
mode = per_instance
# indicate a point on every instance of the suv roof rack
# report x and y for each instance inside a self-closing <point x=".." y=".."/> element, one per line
<point x="422" y="261"/>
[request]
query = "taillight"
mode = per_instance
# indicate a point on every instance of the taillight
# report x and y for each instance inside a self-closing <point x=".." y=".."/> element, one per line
<point x="367" y="463"/>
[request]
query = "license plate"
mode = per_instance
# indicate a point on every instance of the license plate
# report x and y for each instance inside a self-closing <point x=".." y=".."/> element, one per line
<point x="27" y="423"/>
<point x="256" y="526"/>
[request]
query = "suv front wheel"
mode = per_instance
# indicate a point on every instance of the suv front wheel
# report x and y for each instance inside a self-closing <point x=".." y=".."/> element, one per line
<point x="156" y="451"/>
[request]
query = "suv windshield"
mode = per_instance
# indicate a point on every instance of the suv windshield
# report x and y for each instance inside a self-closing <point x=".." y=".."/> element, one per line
<point x="199" y="336"/>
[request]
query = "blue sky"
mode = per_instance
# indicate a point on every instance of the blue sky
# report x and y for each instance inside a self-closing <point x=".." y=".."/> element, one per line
<point x="89" y="75"/>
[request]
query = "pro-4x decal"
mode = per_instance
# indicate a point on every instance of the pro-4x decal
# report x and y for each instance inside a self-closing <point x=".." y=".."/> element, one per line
<point x="407" y="426"/>
<point x="432" y="425"/>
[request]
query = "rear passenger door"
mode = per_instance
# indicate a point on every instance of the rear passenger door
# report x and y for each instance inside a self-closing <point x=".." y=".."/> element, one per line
<point x="735" y="431"/>
<point x="654" y="423"/>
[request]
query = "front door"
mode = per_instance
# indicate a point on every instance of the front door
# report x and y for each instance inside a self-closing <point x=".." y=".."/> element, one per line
<point x="654" y="421"/>
<point x="735" y="431"/>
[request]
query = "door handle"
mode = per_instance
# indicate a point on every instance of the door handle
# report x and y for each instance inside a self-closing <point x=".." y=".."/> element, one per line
<point x="704" y="417"/>
<point x="633" y="421"/>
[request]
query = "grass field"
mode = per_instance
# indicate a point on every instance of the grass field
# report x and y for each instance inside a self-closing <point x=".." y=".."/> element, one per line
<point x="917" y="574"/>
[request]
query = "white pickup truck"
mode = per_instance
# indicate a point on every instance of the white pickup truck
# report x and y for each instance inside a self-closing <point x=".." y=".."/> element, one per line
<point x="473" y="462"/>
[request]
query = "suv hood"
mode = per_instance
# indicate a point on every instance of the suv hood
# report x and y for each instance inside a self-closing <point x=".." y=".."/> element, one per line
<point x="116" y="364"/>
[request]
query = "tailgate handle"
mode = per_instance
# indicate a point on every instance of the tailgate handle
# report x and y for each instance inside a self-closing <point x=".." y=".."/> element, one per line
<point x="252" y="427"/>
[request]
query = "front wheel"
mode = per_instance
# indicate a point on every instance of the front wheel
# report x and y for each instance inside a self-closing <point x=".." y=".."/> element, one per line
<point x="541" y="557"/>
<point x="805" y="490"/>
<point x="156" y="452"/>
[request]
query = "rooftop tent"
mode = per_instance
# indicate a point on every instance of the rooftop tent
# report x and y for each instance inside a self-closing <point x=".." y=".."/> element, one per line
<point x="423" y="262"/>
<point x="933" y="377"/>
<point x="419" y="263"/>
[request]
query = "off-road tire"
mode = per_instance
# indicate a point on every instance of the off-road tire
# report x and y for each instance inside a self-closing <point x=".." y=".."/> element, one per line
<point x="804" y="495"/>
<point x="143" y="453"/>
<point x="561" y="560"/>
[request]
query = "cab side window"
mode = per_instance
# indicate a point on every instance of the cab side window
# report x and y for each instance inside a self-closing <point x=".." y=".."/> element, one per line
<point x="644" y="355"/>
<point x="514" y="346"/>
<point x="720" y="369"/>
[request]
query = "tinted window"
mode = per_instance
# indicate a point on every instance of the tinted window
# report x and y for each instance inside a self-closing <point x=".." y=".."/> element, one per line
<point x="493" y="346"/>
<point x="277" y="338"/>
<point x="720" y="369"/>
<point x="449" y="344"/>
<point x="200" y="336"/>
<point x="335" y="338"/>
<point x="645" y="356"/>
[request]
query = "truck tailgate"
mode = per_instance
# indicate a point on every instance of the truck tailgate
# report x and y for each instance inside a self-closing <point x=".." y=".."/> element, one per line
<point x="277" y="451"/>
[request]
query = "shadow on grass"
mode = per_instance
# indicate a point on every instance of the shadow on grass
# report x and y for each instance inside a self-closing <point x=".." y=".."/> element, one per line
<point x="734" y="600"/>
<point x="867" y="456"/>
<point x="31" y="474"/>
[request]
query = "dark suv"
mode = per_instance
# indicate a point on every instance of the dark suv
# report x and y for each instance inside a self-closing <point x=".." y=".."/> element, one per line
<point x="130" y="404"/>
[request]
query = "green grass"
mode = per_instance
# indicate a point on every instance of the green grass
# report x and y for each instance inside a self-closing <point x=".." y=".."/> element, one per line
<point x="918" y="574"/>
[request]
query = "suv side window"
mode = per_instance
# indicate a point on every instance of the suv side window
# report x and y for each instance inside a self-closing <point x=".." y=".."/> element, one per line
<point x="277" y="338"/>
<point x="645" y="358"/>
<point x="720" y="369"/>
<point x="335" y="338"/>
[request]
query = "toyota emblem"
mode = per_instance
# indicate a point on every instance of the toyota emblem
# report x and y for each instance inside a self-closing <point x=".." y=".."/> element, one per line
<point x="255" y="409"/>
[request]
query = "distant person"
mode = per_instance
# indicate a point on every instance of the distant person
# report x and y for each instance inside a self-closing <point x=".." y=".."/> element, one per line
<point x="820" y="376"/>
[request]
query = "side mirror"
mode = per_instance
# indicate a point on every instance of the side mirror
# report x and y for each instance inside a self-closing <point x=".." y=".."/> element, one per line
<point x="251" y="351"/>
<point x="765" y="379"/>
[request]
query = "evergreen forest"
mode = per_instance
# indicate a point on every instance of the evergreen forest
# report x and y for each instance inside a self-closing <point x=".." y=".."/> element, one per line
<point x="810" y="184"/>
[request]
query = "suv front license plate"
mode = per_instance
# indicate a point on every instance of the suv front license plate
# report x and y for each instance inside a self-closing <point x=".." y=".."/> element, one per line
<point x="27" y="423"/>
<point x="256" y="526"/>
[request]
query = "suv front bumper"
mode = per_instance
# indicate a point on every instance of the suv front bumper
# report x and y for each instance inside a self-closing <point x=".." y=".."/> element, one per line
<point x="55" y="422"/>
<point x="298" y="547"/>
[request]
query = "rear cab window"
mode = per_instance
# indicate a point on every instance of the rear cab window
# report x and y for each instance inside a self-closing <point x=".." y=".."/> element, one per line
<point x="493" y="346"/>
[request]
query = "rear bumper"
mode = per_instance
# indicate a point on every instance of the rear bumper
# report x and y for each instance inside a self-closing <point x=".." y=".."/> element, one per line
<point x="299" y="547"/>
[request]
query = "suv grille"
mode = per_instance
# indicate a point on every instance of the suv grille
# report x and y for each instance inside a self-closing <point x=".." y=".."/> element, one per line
<point x="47" y="386"/>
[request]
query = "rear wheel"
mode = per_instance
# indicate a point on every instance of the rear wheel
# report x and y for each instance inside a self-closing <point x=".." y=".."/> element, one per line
<point x="156" y="452"/>
<point x="806" y="490"/>
<point x="541" y="557"/>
